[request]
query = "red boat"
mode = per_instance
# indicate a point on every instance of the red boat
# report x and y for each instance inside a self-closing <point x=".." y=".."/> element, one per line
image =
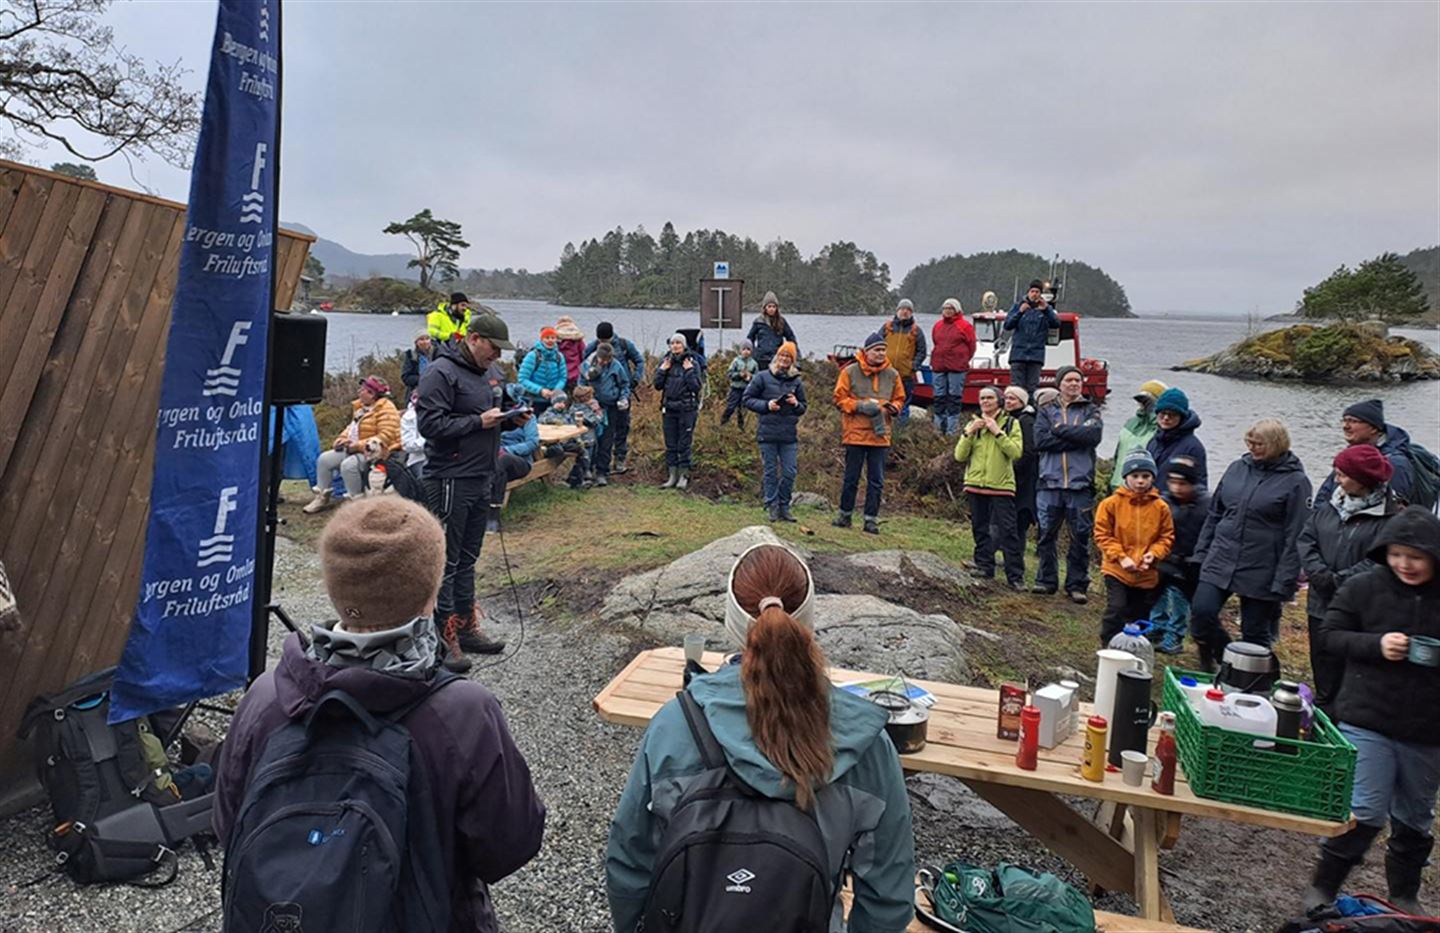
<point x="990" y="365"/>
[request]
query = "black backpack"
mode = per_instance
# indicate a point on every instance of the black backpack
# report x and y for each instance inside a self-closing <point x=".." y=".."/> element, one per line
<point x="401" y="478"/>
<point x="732" y="859"/>
<point x="1424" y="478"/>
<point x="117" y="816"/>
<point x="336" y="830"/>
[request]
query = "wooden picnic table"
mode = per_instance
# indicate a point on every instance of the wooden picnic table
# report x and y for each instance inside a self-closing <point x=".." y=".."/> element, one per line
<point x="559" y="433"/>
<point x="1117" y="849"/>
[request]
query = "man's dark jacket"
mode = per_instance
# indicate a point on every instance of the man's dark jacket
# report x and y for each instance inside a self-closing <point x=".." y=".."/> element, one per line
<point x="775" y="427"/>
<point x="1032" y="331"/>
<point x="453" y="393"/>
<point x="489" y="820"/>
<point x="1247" y="546"/>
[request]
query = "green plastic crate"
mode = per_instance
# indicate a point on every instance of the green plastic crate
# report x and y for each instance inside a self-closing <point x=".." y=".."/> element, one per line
<point x="1221" y="764"/>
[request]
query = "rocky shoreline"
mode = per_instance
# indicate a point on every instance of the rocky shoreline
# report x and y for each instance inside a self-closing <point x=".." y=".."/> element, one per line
<point x="1338" y="354"/>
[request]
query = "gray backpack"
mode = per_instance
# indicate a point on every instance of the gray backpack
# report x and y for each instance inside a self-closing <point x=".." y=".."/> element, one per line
<point x="735" y="861"/>
<point x="336" y="830"/>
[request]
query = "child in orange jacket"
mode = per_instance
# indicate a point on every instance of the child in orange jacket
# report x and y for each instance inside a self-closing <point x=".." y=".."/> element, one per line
<point x="1134" y="532"/>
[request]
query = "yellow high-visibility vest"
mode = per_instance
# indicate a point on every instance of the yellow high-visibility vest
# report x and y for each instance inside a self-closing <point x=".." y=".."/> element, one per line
<point x="442" y="326"/>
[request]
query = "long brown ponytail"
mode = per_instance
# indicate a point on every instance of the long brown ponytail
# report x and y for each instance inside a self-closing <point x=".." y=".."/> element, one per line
<point x="787" y="693"/>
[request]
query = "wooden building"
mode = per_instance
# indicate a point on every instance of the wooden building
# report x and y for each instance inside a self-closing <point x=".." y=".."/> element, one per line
<point x="87" y="273"/>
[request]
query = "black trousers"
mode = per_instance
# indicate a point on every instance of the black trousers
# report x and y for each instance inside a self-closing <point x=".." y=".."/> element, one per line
<point x="463" y="506"/>
<point x="733" y="406"/>
<point x="508" y="468"/>
<point x="619" y="426"/>
<point x="1328" y="669"/>
<point x="605" y="444"/>
<point x="992" y="521"/>
<point x="1259" y="618"/>
<point x="679" y="436"/>
<point x="1124" y="604"/>
<point x="872" y="459"/>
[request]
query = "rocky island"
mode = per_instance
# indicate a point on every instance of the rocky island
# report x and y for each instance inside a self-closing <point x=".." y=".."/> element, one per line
<point x="1337" y="354"/>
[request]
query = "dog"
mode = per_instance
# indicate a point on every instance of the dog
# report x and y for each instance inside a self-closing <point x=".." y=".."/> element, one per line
<point x="375" y="454"/>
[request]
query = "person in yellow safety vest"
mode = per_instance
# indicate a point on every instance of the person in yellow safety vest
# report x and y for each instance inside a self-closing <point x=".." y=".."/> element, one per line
<point x="450" y="318"/>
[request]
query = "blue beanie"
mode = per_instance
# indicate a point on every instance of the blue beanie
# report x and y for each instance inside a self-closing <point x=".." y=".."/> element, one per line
<point x="1173" y="400"/>
<point x="876" y="338"/>
<point x="1138" y="460"/>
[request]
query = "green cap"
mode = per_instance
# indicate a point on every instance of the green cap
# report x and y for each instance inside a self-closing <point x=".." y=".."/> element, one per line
<point x="487" y="324"/>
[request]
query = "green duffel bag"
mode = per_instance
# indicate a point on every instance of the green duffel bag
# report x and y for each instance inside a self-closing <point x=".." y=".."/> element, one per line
<point x="1009" y="899"/>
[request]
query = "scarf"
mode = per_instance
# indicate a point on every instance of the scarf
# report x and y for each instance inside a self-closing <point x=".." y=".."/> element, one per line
<point x="410" y="650"/>
<point x="1349" y="506"/>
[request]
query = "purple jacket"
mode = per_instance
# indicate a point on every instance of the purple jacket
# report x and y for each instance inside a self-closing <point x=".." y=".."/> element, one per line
<point x="490" y="820"/>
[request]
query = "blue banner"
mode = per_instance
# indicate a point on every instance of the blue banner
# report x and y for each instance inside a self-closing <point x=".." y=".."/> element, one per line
<point x="191" y="630"/>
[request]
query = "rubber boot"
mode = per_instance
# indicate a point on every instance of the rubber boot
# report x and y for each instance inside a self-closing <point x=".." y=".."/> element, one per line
<point x="674" y="478"/>
<point x="684" y="481"/>
<point x="1207" y="657"/>
<point x="455" y="659"/>
<point x="1338" y="856"/>
<point x="473" y="641"/>
<point x="1405" y="858"/>
<point x="841" y="520"/>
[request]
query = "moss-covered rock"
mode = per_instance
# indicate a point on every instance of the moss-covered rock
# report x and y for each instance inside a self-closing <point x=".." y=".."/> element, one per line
<point x="1339" y="353"/>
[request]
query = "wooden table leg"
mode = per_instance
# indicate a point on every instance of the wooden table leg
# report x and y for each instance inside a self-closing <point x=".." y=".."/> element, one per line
<point x="1066" y="833"/>
<point x="1149" y="828"/>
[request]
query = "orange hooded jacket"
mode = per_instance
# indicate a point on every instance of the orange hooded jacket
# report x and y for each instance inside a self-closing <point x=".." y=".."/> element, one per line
<point x="858" y="382"/>
<point x="1130" y="524"/>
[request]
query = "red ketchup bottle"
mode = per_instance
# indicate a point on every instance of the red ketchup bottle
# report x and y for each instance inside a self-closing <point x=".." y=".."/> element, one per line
<point x="1165" y="755"/>
<point x="1027" y="755"/>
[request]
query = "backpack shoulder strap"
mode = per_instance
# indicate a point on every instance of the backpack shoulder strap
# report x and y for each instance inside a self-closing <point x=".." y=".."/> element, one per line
<point x="711" y="754"/>
<point x="441" y="680"/>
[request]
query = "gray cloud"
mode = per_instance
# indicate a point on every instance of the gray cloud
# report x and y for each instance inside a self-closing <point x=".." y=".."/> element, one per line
<point x="1210" y="156"/>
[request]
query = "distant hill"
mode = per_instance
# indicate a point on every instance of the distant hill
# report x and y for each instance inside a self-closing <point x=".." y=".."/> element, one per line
<point x="1425" y="263"/>
<point x="340" y="261"/>
<point x="1088" y="289"/>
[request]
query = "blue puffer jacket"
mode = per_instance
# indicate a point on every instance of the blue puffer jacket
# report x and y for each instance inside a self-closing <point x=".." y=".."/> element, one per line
<point x="543" y="369"/>
<point x="1180" y="441"/>
<point x="766" y="341"/>
<point x="1031" y="327"/>
<point x="522" y="441"/>
<point x="1257" y="512"/>
<point x="775" y="427"/>
<point x="1066" y="438"/>
<point x="863" y="810"/>
<point x="610" y="382"/>
<point x="1396" y="449"/>
<point x="679" y="387"/>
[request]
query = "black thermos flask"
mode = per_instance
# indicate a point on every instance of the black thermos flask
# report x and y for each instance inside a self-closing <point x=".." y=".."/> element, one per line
<point x="1130" y="725"/>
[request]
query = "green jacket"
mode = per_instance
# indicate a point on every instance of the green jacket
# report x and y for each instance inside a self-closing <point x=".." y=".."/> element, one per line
<point x="991" y="457"/>
<point x="863" y="810"/>
<point x="1137" y="433"/>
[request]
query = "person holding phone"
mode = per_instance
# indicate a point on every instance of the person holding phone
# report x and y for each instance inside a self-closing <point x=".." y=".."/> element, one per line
<point x="1030" y="320"/>
<point x="678" y="380"/>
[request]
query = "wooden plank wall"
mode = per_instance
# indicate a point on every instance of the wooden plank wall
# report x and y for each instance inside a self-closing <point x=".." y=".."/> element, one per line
<point x="87" y="273"/>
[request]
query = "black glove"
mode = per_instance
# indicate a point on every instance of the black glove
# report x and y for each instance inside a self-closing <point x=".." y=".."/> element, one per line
<point x="1323" y="582"/>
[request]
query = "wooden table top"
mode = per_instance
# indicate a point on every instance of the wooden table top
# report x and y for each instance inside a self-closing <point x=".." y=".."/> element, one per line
<point x="961" y="743"/>
<point x="559" y="433"/>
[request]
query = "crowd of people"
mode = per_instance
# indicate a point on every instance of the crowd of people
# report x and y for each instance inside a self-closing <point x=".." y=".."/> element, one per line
<point x="1167" y="537"/>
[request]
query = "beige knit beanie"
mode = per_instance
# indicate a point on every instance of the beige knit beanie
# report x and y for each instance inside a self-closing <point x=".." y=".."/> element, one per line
<point x="382" y="558"/>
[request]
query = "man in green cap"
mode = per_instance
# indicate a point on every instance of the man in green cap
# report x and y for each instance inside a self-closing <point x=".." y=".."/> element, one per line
<point x="459" y="411"/>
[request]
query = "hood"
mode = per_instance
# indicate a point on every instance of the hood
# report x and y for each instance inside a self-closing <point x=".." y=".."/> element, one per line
<point x="1396" y="439"/>
<point x="854" y="725"/>
<point x="1137" y="498"/>
<point x="1188" y="425"/>
<point x="547" y="352"/>
<point x="301" y="681"/>
<point x="903" y="325"/>
<point x="1415" y="526"/>
<point x="869" y="370"/>
<point x="1289" y="463"/>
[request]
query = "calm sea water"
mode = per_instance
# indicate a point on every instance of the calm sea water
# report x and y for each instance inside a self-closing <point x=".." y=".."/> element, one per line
<point x="1137" y="350"/>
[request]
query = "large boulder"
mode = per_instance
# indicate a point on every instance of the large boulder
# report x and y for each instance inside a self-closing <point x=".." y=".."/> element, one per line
<point x="856" y="629"/>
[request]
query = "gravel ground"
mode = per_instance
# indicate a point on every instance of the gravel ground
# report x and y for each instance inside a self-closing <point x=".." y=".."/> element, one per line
<point x="1220" y="876"/>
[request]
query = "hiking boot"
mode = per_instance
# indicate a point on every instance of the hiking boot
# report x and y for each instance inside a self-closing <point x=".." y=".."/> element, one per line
<point x="684" y="480"/>
<point x="602" y="480"/>
<point x="872" y="526"/>
<point x="1078" y="597"/>
<point x="492" y="526"/>
<point x="620" y="466"/>
<point x="473" y="641"/>
<point x="773" y="512"/>
<point x="785" y="515"/>
<point x="674" y="478"/>
<point x="455" y="660"/>
<point x="841" y="520"/>
<point x="1039" y="590"/>
<point x="320" y="503"/>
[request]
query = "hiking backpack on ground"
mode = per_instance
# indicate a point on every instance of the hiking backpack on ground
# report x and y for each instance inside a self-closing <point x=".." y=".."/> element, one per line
<point x="1361" y="913"/>
<point x="1009" y="899"/>
<point x="107" y="785"/>
<point x="336" y="830"/>
<point x="732" y="859"/>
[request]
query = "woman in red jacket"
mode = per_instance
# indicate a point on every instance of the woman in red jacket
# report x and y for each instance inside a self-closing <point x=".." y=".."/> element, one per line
<point x="953" y="343"/>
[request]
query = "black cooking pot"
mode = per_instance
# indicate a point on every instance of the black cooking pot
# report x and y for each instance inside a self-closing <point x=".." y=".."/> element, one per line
<point x="1248" y="668"/>
<point x="908" y="720"/>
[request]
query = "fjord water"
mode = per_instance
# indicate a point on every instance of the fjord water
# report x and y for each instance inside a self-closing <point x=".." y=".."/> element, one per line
<point x="1137" y="349"/>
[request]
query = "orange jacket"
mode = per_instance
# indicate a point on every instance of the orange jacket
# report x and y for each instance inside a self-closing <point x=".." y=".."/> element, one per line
<point x="1130" y="524"/>
<point x="857" y="428"/>
<point x="382" y="421"/>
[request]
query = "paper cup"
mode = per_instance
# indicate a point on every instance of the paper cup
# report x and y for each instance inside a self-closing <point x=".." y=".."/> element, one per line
<point x="1132" y="767"/>
<point x="695" y="648"/>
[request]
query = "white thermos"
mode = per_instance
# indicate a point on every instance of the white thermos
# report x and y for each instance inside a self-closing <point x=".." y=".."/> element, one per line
<point x="1111" y="662"/>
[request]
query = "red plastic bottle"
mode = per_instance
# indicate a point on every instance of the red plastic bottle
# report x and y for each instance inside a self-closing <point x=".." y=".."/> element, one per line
<point x="1027" y="755"/>
<point x="1164" y="782"/>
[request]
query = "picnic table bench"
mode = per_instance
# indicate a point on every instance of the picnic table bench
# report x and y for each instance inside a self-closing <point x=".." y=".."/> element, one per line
<point x="1117" y="849"/>
<point x="550" y="434"/>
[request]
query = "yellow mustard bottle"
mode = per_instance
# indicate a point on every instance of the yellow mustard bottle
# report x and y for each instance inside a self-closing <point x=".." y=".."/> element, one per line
<point x="1092" y="760"/>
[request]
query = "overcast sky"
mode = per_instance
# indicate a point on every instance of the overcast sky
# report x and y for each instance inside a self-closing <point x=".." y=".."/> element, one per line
<point x="1211" y="157"/>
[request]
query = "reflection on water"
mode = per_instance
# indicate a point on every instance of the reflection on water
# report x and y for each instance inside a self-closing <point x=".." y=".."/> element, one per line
<point x="1137" y="350"/>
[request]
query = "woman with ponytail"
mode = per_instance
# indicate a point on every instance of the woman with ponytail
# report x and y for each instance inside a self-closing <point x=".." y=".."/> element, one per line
<point x="789" y="735"/>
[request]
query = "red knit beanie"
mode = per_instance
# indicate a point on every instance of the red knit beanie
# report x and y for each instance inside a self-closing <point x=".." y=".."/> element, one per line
<point x="1365" y="464"/>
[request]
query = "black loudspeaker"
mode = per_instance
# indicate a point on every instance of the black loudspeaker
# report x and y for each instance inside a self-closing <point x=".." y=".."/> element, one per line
<point x="297" y="368"/>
